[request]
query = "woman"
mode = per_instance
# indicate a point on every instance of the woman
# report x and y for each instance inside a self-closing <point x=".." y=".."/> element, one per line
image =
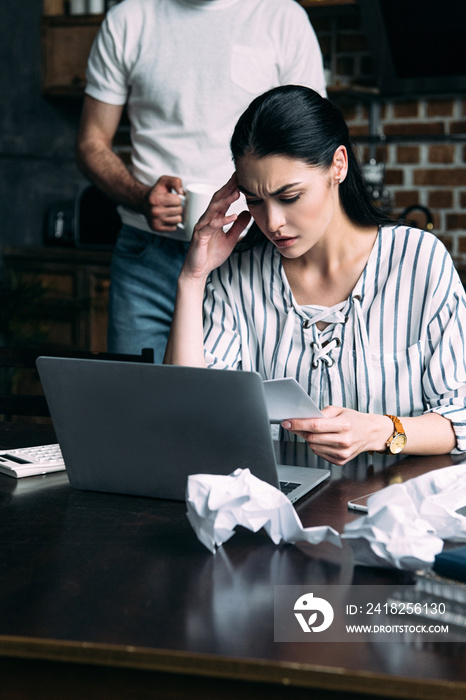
<point x="368" y="316"/>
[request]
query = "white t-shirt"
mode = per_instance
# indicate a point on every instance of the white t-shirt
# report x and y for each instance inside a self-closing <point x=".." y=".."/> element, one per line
<point x="188" y="69"/>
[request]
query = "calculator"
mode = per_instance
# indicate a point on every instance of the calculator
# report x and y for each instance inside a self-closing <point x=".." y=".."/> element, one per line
<point x="31" y="461"/>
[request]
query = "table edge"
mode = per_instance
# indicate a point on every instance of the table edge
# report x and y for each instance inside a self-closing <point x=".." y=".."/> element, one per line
<point x="286" y="674"/>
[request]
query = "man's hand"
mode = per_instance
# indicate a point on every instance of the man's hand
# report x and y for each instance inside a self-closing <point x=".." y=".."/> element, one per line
<point x="161" y="206"/>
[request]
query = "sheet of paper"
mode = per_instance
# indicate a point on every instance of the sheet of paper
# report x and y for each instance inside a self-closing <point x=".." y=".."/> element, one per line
<point x="285" y="398"/>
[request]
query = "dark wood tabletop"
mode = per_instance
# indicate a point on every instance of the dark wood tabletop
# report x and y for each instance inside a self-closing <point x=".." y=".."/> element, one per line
<point x="113" y="596"/>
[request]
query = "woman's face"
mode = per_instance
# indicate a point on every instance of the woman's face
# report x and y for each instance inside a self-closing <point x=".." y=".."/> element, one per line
<point x="292" y="203"/>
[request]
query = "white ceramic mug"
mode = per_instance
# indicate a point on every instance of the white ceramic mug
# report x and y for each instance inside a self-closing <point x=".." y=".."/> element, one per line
<point x="196" y="200"/>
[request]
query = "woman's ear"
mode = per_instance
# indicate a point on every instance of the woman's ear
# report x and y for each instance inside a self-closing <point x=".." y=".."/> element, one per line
<point x="340" y="164"/>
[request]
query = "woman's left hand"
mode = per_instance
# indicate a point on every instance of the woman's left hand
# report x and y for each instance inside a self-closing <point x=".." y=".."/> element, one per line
<point x="342" y="433"/>
<point x="210" y="244"/>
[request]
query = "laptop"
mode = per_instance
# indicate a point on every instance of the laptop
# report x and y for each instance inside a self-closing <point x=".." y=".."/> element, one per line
<point x="142" y="429"/>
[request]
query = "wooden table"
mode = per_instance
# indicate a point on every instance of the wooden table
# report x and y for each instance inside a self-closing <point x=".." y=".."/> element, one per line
<point x="107" y="596"/>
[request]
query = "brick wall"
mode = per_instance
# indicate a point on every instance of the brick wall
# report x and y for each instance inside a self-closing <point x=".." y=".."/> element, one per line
<point x="425" y="160"/>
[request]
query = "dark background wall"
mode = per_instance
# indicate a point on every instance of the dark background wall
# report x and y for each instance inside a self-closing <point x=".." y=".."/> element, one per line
<point x="37" y="135"/>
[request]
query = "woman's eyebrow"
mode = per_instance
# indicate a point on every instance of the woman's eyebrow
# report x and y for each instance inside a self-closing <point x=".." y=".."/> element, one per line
<point x="272" y="194"/>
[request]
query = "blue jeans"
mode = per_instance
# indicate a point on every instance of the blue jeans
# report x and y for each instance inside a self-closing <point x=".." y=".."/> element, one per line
<point x="144" y="274"/>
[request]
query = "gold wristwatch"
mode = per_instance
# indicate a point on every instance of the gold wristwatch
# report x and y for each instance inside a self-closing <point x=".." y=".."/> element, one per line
<point x="398" y="440"/>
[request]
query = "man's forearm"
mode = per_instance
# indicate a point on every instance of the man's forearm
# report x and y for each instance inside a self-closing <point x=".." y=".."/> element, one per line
<point x="108" y="172"/>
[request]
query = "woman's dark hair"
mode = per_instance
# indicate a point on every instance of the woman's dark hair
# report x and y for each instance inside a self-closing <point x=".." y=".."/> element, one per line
<point x="296" y="122"/>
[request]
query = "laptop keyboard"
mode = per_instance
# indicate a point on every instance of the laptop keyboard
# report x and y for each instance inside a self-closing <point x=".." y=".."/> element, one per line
<point x="287" y="487"/>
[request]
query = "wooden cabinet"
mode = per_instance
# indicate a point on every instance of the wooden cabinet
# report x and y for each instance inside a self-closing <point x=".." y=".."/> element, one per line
<point x="53" y="7"/>
<point x="66" y="42"/>
<point x="58" y="296"/>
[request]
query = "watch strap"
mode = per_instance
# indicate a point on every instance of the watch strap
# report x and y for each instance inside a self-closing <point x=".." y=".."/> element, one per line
<point x="397" y="424"/>
<point x="398" y="430"/>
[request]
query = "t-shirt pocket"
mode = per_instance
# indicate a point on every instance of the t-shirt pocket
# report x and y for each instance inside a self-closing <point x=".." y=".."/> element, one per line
<point x="253" y="69"/>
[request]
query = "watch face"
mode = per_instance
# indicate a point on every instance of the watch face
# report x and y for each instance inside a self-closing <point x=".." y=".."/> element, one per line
<point x="397" y="444"/>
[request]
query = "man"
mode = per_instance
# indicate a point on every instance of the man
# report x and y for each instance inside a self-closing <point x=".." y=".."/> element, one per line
<point x="186" y="70"/>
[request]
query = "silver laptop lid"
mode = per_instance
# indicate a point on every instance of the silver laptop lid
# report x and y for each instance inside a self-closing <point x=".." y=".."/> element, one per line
<point x="141" y="429"/>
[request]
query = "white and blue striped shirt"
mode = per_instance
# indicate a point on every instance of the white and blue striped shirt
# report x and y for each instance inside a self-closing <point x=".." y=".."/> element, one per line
<point x="396" y="345"/>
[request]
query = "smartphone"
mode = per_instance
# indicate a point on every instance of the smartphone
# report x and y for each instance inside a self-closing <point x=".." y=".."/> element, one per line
<point x="360" y="504"/>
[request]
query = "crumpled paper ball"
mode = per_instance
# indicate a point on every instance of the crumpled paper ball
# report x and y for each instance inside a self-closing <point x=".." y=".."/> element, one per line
<point x="406" y="524"/>
<point x="216" y="504"/>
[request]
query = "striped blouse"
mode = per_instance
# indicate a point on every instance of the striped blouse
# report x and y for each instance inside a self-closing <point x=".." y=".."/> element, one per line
<point x="396" y="345"/>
